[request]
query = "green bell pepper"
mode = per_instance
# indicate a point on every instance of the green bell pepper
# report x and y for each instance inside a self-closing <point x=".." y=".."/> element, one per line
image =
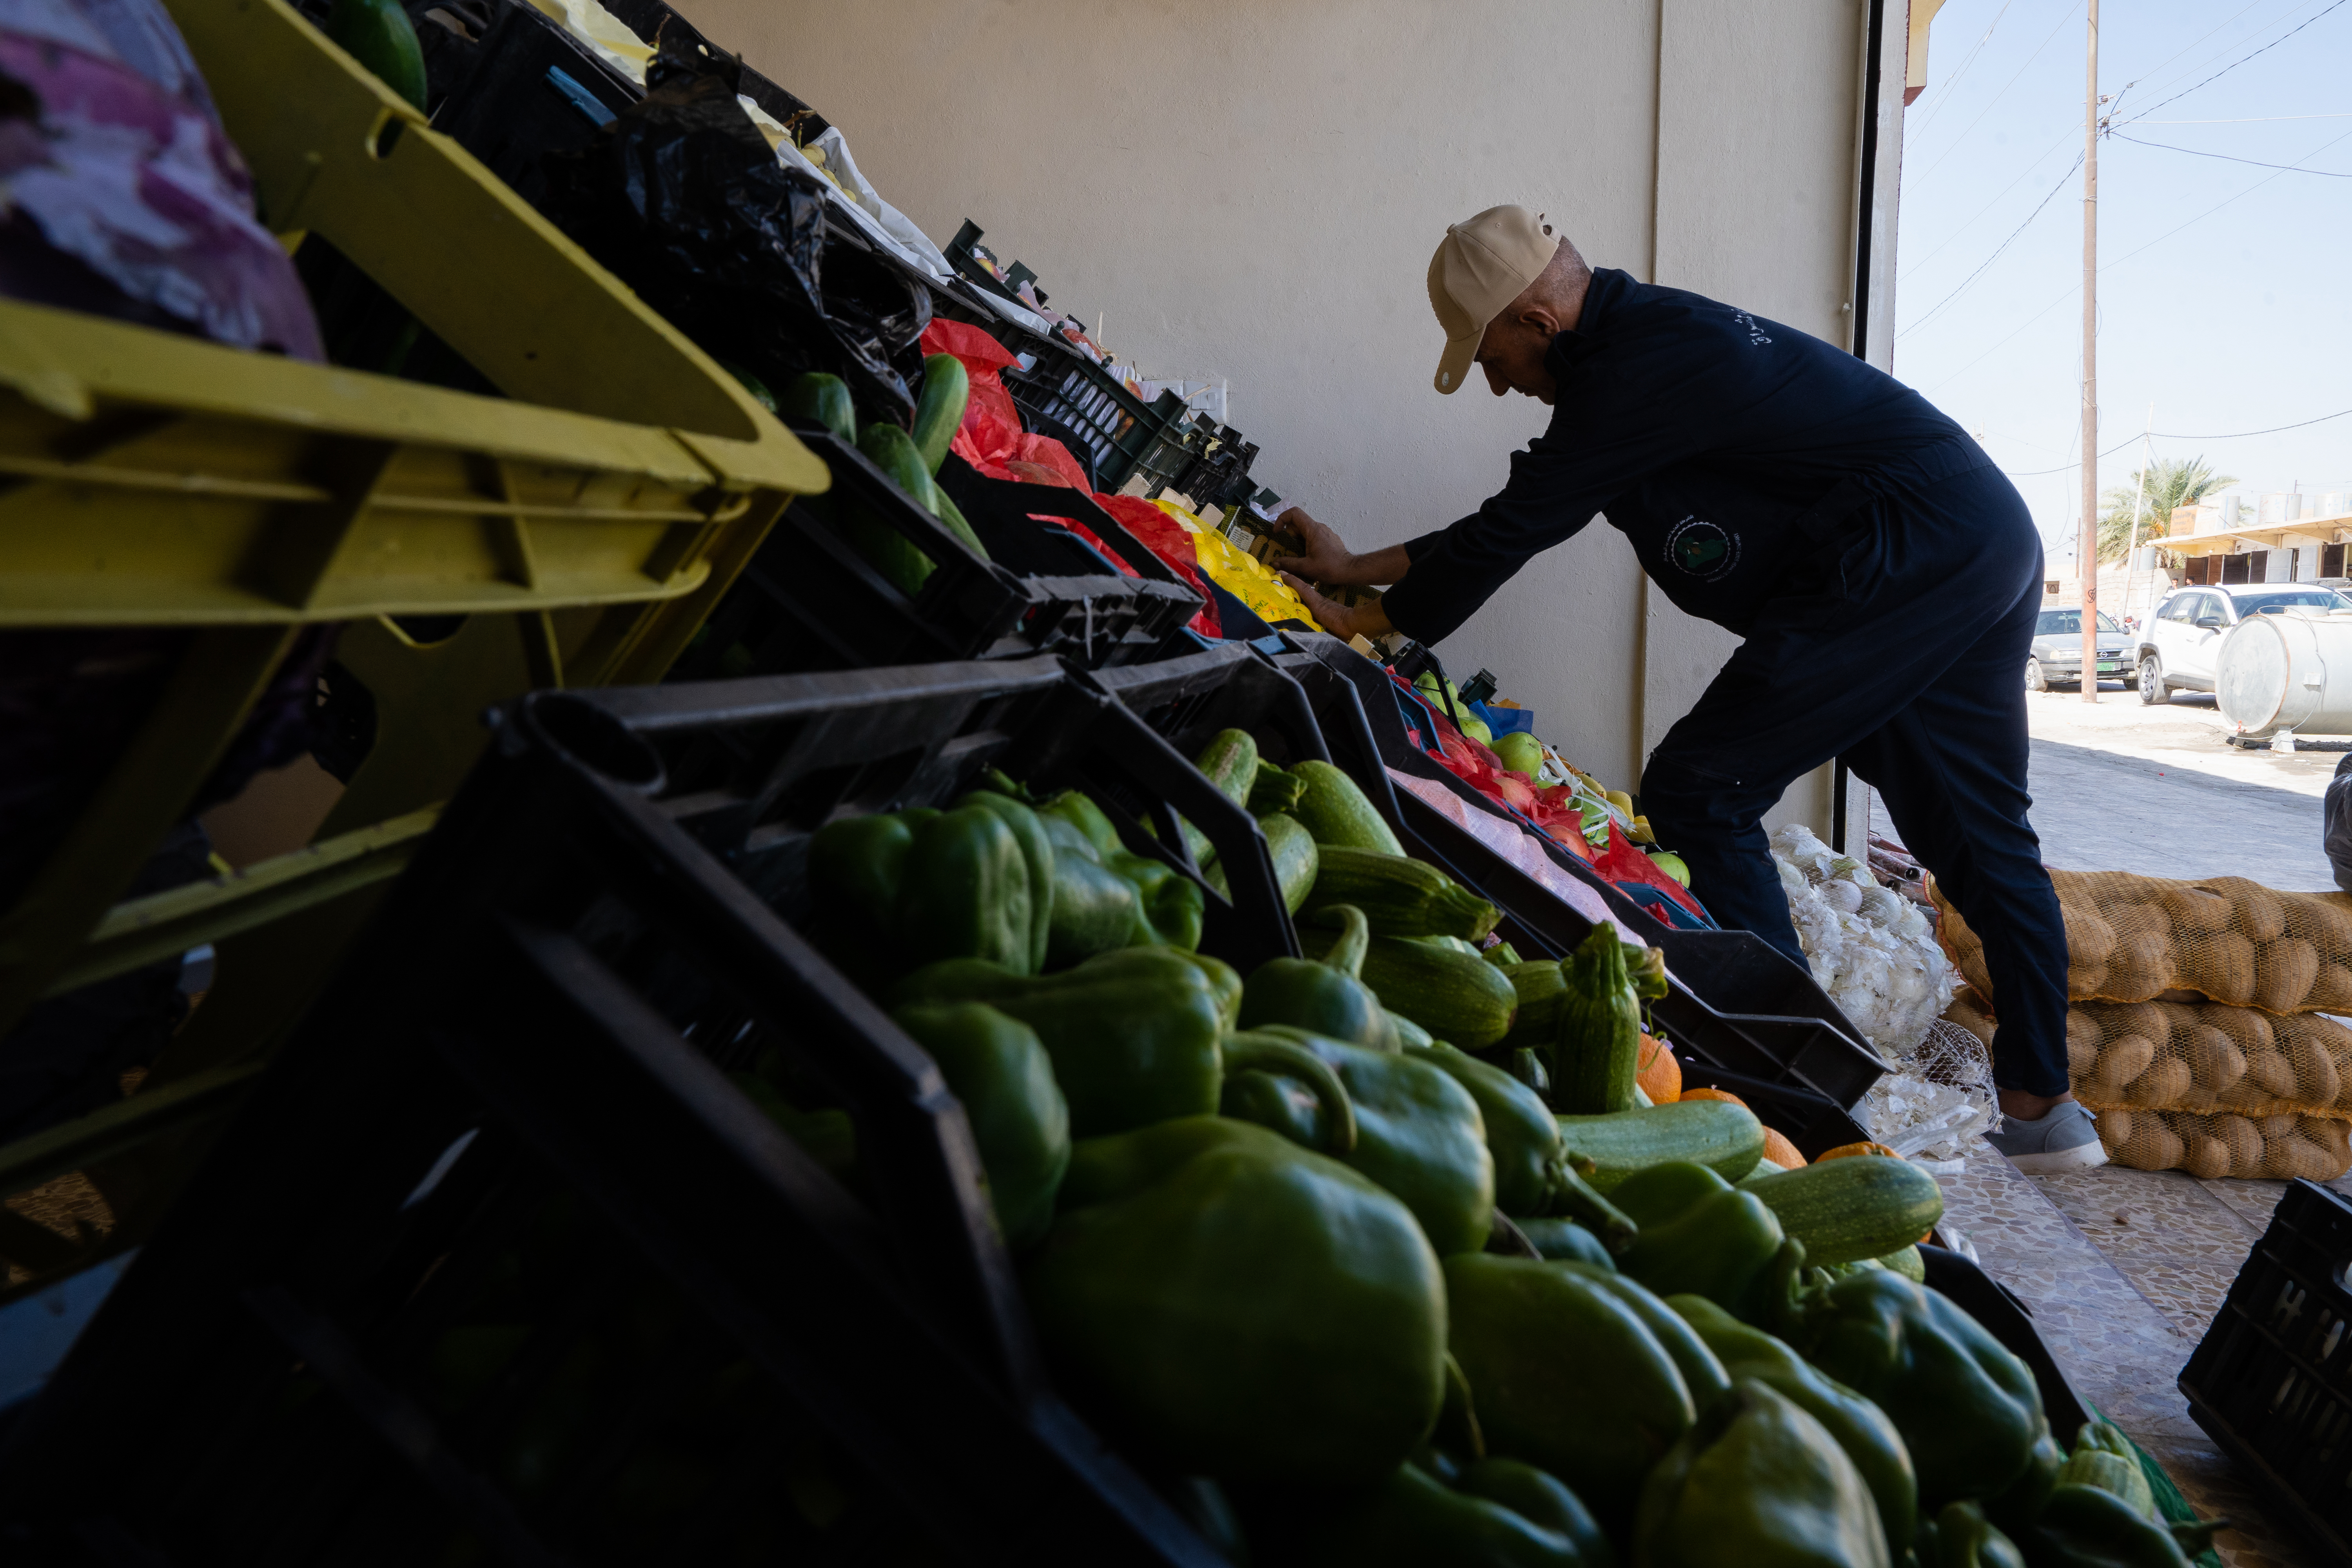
<point x="1322" y="996"/>
<point x="1702" y="1370"/>
<point x="1860" y="1428"/>
<point x="1565" y="1375"/>
<point x="1418" y="1135"/>
<point x="1961" y="1537"/>
<point x="1239" y="1306"/>
<point x="1132" y="1034"/>
<point x="2090" y="1527"/>
<point x="1699" y="1234"/>
<point x="925" y="886"/>
<point x="1171" y="906"/>
<point x="1413" y="1520"/>
<point x="1224" y="979"/>
<point x="1566" y="1241"/>
<point x="1757" y="1483"/>
<point x="1037" y="854"/>
<point x="1968" y="1411"/>
<point x="1019" y="1120"/>
<point x="1094" y="909"/>
<point x="1531" y="1164"/>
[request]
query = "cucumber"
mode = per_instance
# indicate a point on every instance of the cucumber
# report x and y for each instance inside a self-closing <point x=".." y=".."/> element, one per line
<point x="1400" y="896"/>
<point x="751" y="383"/>
<point x="825" y="400"/>
<point x="1458" y="997"/>
<point x="379" y="34"/>
<point x="1229" y="762"/>
<point x="938" y="414"/>
<point x="893" y="451"/>
<point x="1294" y="857"/>
<point x="1724" y="1137"/>
<point x="1337" y="812"/>
<point x="1846" y="1210"/>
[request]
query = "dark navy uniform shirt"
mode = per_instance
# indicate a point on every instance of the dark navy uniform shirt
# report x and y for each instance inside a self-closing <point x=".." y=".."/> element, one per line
<point x="1710" y="436"/>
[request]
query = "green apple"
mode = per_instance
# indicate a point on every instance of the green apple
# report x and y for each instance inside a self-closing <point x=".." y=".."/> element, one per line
<point x="1672" y="865"/>
<point x="1475" y="728"/>
<point x="1521" y="753"/>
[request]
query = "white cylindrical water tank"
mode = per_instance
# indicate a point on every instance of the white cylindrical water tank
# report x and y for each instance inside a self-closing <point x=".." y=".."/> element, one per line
<point x="2290" y="672"/>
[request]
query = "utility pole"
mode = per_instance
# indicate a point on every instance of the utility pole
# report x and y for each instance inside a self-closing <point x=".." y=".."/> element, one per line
<point x="2087" y="551"/>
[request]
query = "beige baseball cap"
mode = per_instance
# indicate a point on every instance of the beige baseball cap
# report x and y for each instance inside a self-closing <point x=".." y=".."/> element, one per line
<point x="1480" y="266"/>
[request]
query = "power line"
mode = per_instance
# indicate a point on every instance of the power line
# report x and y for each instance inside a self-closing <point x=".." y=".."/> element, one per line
<point x="2195" y="152"/>
<point x="2257" y="120"/>
<point x="2118" y="261"/>
<point x="1969" y="227"/>
<point x="1997" y="97"/>
<point x="2233" y="65"/>
<point x="2004" y="244"/>
<point x="1954" y="80"/>
<point x="2177" y="436"/>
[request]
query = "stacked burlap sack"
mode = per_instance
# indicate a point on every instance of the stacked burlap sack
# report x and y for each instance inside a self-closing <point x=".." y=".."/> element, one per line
<point x="2193" y="1028"/>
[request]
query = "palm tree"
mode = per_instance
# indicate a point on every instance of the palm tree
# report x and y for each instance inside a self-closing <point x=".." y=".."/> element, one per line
<point x="2172" y="482"/>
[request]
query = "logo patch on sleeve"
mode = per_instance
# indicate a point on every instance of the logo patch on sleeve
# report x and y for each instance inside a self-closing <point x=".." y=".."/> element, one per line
<point x="1703" y="550"/>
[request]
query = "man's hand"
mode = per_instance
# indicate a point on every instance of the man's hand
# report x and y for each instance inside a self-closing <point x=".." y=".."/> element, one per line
<point x="1326" y="560"/>
<point x="1340" y="620"/>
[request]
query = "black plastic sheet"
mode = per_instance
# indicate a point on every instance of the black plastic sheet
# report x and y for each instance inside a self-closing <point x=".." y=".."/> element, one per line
<point x="684" y="199"/>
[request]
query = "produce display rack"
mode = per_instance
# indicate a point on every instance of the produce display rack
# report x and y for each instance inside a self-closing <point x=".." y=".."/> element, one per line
<point x="1116" y="428"/>
<point x="2267" y="1381"/>
<point x="577" y="529"/>
<point x="1794" y="1023"/>
<point x="508" y="1124"/>
<point x="810" y="602"/>
<point x="1298" y="705"/>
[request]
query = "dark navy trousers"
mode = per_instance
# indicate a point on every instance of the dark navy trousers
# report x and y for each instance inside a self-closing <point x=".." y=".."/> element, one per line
<point x="1901" y="648"/>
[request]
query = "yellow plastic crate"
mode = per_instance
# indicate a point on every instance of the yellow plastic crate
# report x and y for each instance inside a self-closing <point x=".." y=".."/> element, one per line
<point x="582" y="526"/>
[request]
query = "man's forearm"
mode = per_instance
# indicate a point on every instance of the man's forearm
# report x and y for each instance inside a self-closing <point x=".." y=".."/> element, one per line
<point x="1378" y="568"/>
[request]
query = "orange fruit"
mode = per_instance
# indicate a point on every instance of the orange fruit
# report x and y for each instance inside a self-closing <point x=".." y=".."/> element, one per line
<point x="1659" y="1074"/>
<point x="1779" y="1151"/>
<point x="1711" y="1094"/>
<point x="1846" y="1151"/>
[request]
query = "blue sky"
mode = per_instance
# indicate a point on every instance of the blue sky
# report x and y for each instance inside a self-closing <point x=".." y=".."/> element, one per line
<point x="2225" y="290"/>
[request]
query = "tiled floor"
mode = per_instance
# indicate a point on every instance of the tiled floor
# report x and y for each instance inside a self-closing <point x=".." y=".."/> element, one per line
<point x="2123" y="1270"/>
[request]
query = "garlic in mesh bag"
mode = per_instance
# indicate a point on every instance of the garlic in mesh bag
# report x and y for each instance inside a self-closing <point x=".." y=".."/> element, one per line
<point x="1870" y="949"/>
<point x="2132" y="939"/>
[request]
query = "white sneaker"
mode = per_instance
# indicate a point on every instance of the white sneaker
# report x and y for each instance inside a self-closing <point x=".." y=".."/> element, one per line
<point x="2063" y="1138"/>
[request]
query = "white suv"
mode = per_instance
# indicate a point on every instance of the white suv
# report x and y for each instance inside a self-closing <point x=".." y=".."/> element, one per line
<point x="2179" y="641"/>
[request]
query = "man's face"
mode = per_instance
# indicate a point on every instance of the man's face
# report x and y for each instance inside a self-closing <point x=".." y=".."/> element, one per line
<point x="1512" y="353"/>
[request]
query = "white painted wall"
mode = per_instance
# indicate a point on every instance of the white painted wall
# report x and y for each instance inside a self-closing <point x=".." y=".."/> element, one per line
<point x="1252" y="190"/>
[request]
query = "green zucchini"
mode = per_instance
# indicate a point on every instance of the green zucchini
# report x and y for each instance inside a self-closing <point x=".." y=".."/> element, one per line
<point x="1409" y="1033"/>
<point x="1399" y="896"/>
<point x="1337" y="812"/>
<point x="1295" y="857"/>
<point x="824" y="400"/>
<point x="1864" y="1205"/>
<point x="1274" y="790"/>
<point x="1449" y="944"/>
<point x="946" y="388"/>
<point x="944" y="508"/>
<point x="1597" y="1036"/>
<point x="893" y="451"/>
<point x="1724" y="1137"/>
<point x="1539" y="988"/>
<point x="1503" y="955"/>
<point x="753" y="385"/>
<point x="1907" y="1263"/>
<point x="1229" y="762"/>
<point x="886" y="550"/>
<point x="1458" y="997"/>
<point x="379" y="34"/>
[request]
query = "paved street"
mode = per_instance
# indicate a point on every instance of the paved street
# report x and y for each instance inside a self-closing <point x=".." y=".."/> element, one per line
<point x="2122" y="787"/>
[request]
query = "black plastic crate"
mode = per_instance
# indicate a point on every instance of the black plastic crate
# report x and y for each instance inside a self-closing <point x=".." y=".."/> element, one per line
<point x="809" y="601"/>
<point x="1116" y="428"/>
<point x="498" y="1265"/>
<point x="2271" y="1380"/>
<point x="1793" y="1071"/>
